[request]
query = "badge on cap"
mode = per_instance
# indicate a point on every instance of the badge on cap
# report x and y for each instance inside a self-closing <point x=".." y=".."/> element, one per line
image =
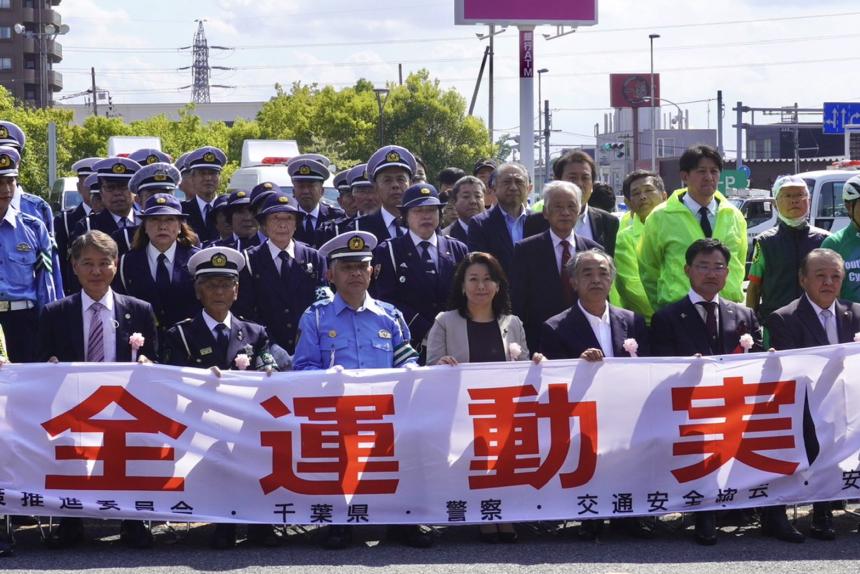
<point x="219" y="260"/>
<point x="118" y="168"/>
<point x="4" y="133"/>
<point x="356" y="243"/>
<point x="5" y="161"/>
<point x="283" y="199"/>
<point x="392" y="156"/>
<point x="24" y="247"/>
<point x="425" y="191"/>
<point x="241" y="194"/>
<point x="332" y="334"/>
<point x="151" y="159"/>
<point x="304" y="170"/>
<point x="160" y="176"/>
<point x="209" y="156"/>
<point x="267" y="185"/>
<point x="161" y="201"/>
<point x="383" y="334"/>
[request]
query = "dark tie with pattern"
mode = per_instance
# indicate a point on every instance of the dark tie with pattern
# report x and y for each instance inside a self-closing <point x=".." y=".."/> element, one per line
<point x="427" y="260"/>
<point x="95" y="340"/>
<point x="566" y="287"/>
<point x="285" y="264"/>
<point x="309" y="225"/>
<point x="206" y="211"/>
<point x="711" y="325"/>
<point x="705" y="222"/>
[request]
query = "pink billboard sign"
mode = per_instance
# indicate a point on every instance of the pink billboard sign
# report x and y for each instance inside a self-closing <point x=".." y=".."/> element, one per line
<point x="531" y="13"/>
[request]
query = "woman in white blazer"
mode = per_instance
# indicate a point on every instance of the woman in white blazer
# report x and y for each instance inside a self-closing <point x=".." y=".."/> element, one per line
<point x="479" y="328"/>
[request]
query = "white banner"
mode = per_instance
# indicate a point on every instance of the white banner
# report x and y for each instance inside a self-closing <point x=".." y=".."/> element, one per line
<point x="442" y="445"/>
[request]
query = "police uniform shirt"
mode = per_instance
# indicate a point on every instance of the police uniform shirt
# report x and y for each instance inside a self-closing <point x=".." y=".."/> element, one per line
<point x="212" y="323"/>
<point x="35" y="206"/>
<point x="152" y="254"/>
<point x="601" y="327"/>
<point x="694" y="207"/>
<point x="558" y="249"/>
<point x="433" y="250"/>
<point x="313" y="216"/>
<point x="374" y="336"/>
<point x="201" y="204"/>
<point x="695" y="298"/>
<point x="106" y="316"/>
<point x="124" y="222"/>
<point x="276" y="253"/>
<point x="390" y="223"/>
<point x="24" y="248"/>
<point x="583" y="225"/>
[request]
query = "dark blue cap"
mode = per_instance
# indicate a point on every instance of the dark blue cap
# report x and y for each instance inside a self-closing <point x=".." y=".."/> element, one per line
<point x="84" y="167"/>
<point x="304" y="169"/>
<point x="341" y="182"/>
<point x="148" y="156"/>
<point x="219" y="203"/>
<point x="162" y="204"/>
<point x="10" y="159"/>
<point x="93" y="183"/>
<point x="261" y="191"/>
<point x="158" y="175"/>
<point x="116" y="168"/>
<point x="482" y="163"/>
<point x="239" y="197"/>
<point x="418" y="195"/>
<point x="278" y="202"/>
<point x="357" y="176"/>
<point x="390" y="156"/>
<point x="206" y="157"/>
<point x="11" y="135"/>
<point x="181" y="163"/>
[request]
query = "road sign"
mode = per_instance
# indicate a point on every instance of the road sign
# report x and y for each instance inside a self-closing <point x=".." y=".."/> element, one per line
<point x="733" y="179"/>
<point x="839" y="114"/>
<point x="747" y="171"/>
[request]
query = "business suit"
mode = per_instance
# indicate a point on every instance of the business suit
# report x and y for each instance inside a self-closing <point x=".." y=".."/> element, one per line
<point x="677" y="330"/>
<point x="61" y="329"/>
<point x="456" y="231"/>
<point x="326" y="213"/>
<point x="205" y="230"/>
<point x="536" y="284"/>
<point x="489" y="233"/>
<point x="403" y="281"/>
<point x="278" y="302"/>
<point x="449" y="337"/>
<point x="568" y="334"/>
<point x="604" y="227"/>
<point x="134" y="277"/>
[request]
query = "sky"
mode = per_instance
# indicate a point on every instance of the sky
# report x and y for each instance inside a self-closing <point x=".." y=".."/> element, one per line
<point x="765" y="53"/>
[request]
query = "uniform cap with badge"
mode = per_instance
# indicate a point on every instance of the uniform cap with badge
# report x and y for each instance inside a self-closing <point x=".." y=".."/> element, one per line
<point x="11" y="135"/>
<point x="159" y="175"/>
<point x="9" y="160"/>
<point x="219" y="203"/>
<point x="357" y="177"/>
<point x="349" y="246"/>
<point x="147" y="156"/>
<point x="419" y="195"/>
<point x="116" y="168"/>
<point x="390" y="156"/>
<point x="84" y="167"/>
<point x="93" y="183"/>
<point x="304" y="168"/>
<point x="162" y="204"/>
<point x="261" y="191"/>
<point x="206" y="157"/>
<point x="214" y="261"/>
<point x="279" y="202"/>
<point x="181" y="164"/>
<point x="341" y="182"/>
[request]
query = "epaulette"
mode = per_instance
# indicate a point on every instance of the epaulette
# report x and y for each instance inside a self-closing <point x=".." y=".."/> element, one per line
<point x="31" y="220"/>
<point x="322" y="303"/>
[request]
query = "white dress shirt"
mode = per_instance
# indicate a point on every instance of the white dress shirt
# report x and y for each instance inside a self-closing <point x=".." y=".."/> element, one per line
<point x="211" y="323"/>
<point x="109" y="324"/>
<point x="202" y="205"/>
<point x="390" y="222"/>
<point x="129" y="219"/>
<point x="602" y="329"/>
<point x="434" y="247"/>
<point x="558" y="248"/>
<point x="314" y="215"/>
<point x="583" y="225"/>
<point x="830" y="328"/>
<point x="694" y="206"/>
<point x="276" y="253"/>
<point x="695" y="298"/>
<point x="152" y="254"/>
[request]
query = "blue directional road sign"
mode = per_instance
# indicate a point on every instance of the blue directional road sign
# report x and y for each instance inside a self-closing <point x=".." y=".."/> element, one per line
<point x="838" y="114"/>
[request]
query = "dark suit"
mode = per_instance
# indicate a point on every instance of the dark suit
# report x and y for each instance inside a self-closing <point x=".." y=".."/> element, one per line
<point x="677" y="330"/>
<point x="276" y="302"/>
<point x="405" y="284"/>
<point x="326" y="213"/>
<point x="205" y="230"/>
<point x="604" y="227"/>
<point x="200" y="349"/>
<point x="568" y="334"/>
<point x="456" y="231"/>
<point x="61" y="329"/>
<point x="488" y="232"/>
<point x="238" y="243"/>
<point x="102" y="221"/>
<point x="64" y="225"/>
<point x="796" y="326"/>
<point x="124" y="238"/>
<point x="134" y="278"/>
<point x="536" y="285"/>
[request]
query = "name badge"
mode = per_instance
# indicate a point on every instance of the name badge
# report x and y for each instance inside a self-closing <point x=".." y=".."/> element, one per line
<point x="23" y="247"/>
<point x="332" y="334"/>
<point x="206" y="351"/>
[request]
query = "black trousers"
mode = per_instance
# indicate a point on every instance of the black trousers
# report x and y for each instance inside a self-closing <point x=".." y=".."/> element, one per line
<point x="20" y="328"/>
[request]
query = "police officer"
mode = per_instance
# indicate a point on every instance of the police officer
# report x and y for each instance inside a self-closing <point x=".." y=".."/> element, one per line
<point x="114" y="174"/>
<point x="308" y="175"/>
<point x="222" y="223"/>
<point x="185" y="184"/>
<point x="65" y="221"/>
<point x="156" y="268"/>
<point x="246" y="230"/>
<point x="216" y="339"/>
<point x="282" y="276"/>
<point x="365" y="201"/>
<point x="414" y="271"/>
<point x="147" y="156"/>
<point x="390" y="170"/>
<point x="26" y="282"/>
<point x="151" y="178"/>
<point x="344" y="199"/>
<point x="204" y="167"/>
<point x="355" y="331"/>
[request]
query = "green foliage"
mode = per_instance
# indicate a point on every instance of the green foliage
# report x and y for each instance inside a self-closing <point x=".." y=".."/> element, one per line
<point x="342" y="124"/>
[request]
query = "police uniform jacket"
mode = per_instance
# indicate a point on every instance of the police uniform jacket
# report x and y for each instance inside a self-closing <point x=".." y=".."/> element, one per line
<point x="275" y="300"/>
<point x="375" y="336"/>
<point x="401" y="279"/>
<point x="326" y="213"/>
<point x="41" y="210"/>
<point x="205" y="230"/>
<point x="124" y="238"/>
<point x="190" y="343"/>
<point x="102" y="221"/>
<point x="134" y="277"/>
<point x="61" y="329"/>
<point x="26" y="260"/>
<point x="373" y="223"/>
<point x="64" y="224"/>
<point x="238" y="243"/>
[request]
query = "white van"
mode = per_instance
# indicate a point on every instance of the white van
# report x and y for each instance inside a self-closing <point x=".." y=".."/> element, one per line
<point x="121" y="146"/>
<point x="827" y="210"/>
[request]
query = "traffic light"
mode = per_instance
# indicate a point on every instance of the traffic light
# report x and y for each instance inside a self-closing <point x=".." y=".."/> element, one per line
<point x="616" y="147"/>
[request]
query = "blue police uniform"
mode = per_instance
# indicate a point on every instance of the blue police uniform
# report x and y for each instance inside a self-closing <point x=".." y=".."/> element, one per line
<point x="112" y="168"/>
<point x="237" y="200"/>
<point x="206" y="157"/>
<point x="374" y="336"/>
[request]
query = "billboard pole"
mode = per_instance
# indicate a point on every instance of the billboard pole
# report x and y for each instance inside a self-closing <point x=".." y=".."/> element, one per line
<point x="527" y="120"/>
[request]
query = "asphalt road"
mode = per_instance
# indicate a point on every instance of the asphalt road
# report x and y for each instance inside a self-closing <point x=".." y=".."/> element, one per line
<point x="542" y="548"/>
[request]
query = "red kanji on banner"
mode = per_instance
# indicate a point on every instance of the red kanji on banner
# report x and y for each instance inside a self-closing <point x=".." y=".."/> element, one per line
<point x="114" y="453"/>
<point x="346" y="437"/>
<point x="507" y="439"/>
<point x="740" y="417"/>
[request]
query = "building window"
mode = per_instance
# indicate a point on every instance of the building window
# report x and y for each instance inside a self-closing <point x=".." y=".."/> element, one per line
<point x="5" y="4"/>
<point x="5" y="64"/>
<point x="767" y="153"/>
<point x="665" y="147"/>
<point x="5" y="32"/>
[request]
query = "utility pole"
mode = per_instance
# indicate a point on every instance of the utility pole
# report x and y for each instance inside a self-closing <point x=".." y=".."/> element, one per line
<point x="796" y="139"/>
<point x="720" y="122"/>
<point x="95" y="103"/>
<point x="740" y="142"/>
<point x="546" y="132"/>
<point x="490" y="76"/>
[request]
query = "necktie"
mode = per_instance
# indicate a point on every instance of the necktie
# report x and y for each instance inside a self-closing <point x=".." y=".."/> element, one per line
<point x="566" y="287"/>
<point x="429" y="266"/>
<point x="221" y="342"/>
<point x="95" y="341"/>
<point x="396" y="228"/>
<point x="829" y="327"/>
<point x="711" y="324"/>
<point x="705" y="222"/>
<point x="309" y="225"/>
<point x="122" y="223"/>
<point x="285" y="264"/>
<point x="206" y="210"/>
<point x="162" y="276"/>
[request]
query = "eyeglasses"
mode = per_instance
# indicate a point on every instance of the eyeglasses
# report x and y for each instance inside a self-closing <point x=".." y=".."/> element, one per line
<point x="709" y="268"/>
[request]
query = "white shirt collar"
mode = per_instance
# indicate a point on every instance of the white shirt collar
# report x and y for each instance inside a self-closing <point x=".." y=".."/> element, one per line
<point x="556" y="239"/>
<point x="696" y="298"/>
<point x="594" y="318"/>
<point x="129" y="218"/>
<point x="694" y="205"/>
<point x="87" y="209"/>
<point x="152" y="253"/>
<point x="583" y="217"/>
<point x="387" y="217"/>
<point x="202" y="204"/>
<point x="417" y="240"/>
<point x="210" y="322"/>
<point x="10" y="216"/>
<point x="818" y="309"/>
<point x="315" y="212"/>
<point x="106" y="301"/>
<point x="276" y="251"/>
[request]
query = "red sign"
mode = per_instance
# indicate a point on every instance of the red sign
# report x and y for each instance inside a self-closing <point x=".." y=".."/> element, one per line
<point x="533" y="13"/>
<point x="633" y="90"/>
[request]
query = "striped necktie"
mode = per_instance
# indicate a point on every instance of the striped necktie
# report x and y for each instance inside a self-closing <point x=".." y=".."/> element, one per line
<point x="95" y="341"/>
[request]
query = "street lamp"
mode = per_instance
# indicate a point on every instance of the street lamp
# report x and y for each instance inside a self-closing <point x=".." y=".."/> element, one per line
<point x="540" y="72"/>
<point x="49" y="31"/>
<point x="651" y="38"/>
<point x="381" y="97"/>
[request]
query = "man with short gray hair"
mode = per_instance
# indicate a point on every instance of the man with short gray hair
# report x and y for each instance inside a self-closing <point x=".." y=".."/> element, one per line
<point x="540" y="288"/>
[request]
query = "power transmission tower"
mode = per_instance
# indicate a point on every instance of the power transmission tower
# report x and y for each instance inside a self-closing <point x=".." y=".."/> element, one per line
<point x="200" y="67"/>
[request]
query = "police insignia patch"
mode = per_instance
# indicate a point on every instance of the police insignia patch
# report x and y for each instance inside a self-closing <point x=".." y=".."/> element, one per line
<point x="4" y="133"/>
<point x="425" y="191"/>
<point x="151" y="159"/>
<point x="241" y="194"/>
<point x="356" y="244"/>
<point x="160" y="176"/>
<point x="218" y="260"/>
<point x="267" y="185"/>
<point x="161" y="201"/>
<point x="118" y="168"/>
<point x="392" y="156"/>
<point x="283" y="199"/>
<point x="5" y="160"/>
<point x="209" y="156"/>
<point x="23" y="247"/>
<point x="304" y="170"/>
